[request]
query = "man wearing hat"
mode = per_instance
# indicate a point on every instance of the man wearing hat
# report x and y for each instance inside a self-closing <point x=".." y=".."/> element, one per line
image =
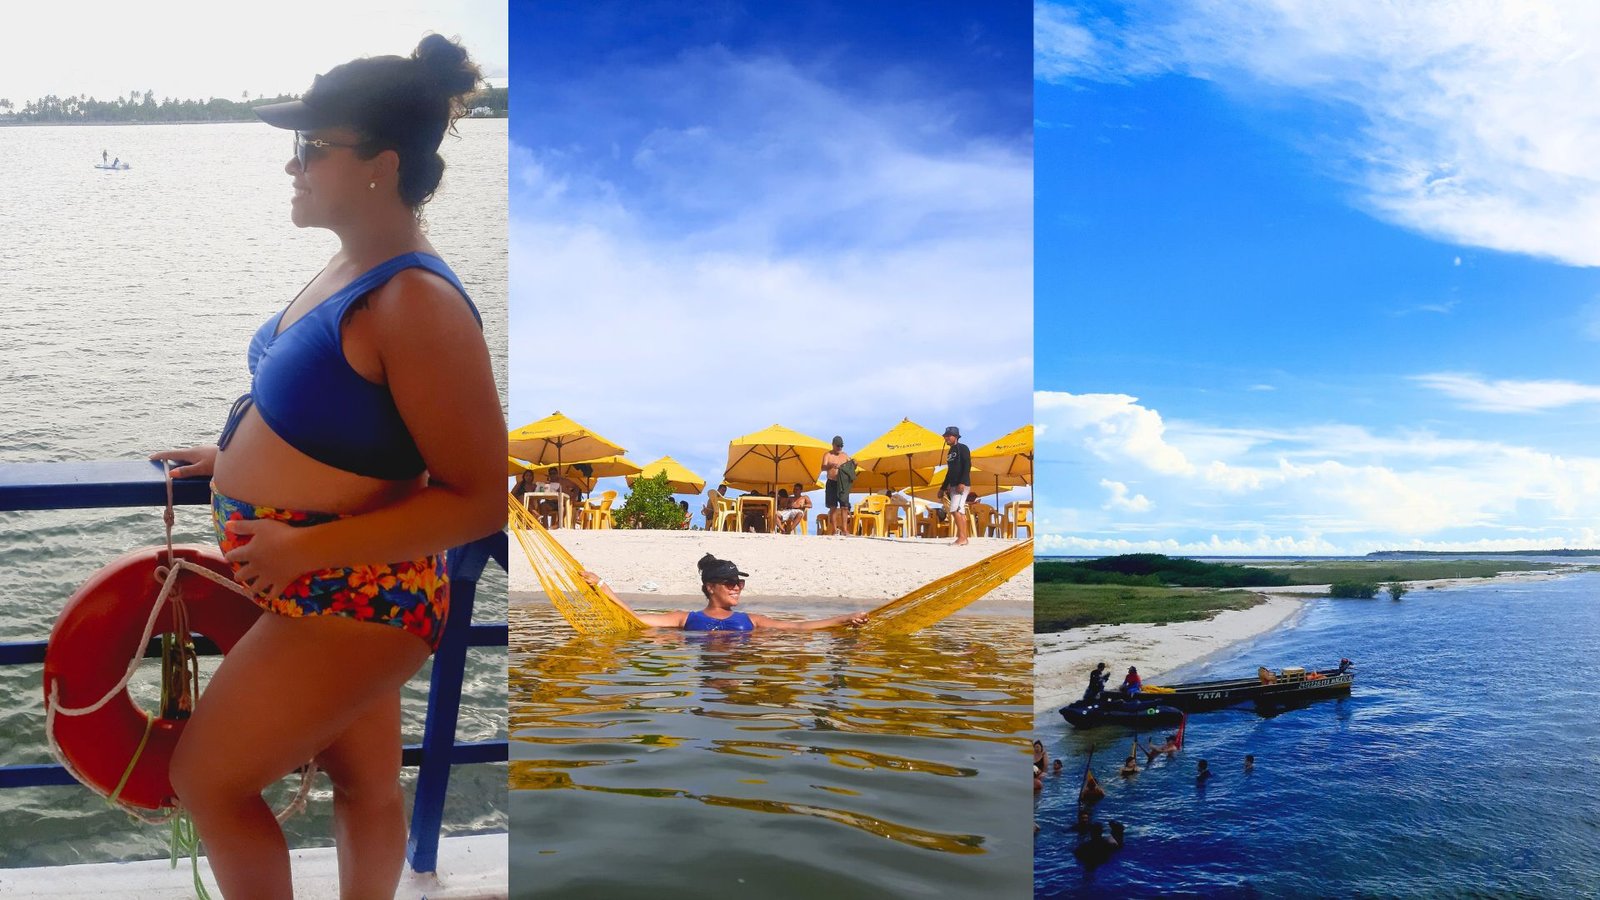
<point x="957" y="478"/>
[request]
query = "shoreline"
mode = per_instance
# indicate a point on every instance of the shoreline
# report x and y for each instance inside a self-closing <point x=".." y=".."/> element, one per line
<point x="656" y="569"/>
<point x="1062" y="659"/>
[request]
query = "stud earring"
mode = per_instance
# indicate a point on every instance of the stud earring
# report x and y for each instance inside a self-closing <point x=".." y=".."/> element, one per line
<point x="371" y="185"/>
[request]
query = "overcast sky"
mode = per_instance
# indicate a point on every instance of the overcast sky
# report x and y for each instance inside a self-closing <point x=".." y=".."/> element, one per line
<point x="187" y="49"/>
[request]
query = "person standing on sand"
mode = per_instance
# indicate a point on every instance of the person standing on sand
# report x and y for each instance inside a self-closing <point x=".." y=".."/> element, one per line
<point x="1097" y="682"/>
<point x="838" y="502"/>
<point x="957" y="478"/>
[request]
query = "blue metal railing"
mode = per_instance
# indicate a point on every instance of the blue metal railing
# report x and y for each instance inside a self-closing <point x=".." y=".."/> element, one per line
<point x="101" y="485"/>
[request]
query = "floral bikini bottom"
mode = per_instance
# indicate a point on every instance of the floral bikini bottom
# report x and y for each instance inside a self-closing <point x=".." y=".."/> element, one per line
<point x="413" y="596"/>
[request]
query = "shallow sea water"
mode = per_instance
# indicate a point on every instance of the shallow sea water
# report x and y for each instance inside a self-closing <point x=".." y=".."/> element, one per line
<point x="769" y="765"/>
<point x="1462" y="765"/>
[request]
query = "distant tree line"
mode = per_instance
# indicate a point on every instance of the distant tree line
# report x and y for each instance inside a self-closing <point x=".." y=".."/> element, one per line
<point x="1155" y="570"/>
<point x="143" y="107"/>
<point x="1390" y="554"/>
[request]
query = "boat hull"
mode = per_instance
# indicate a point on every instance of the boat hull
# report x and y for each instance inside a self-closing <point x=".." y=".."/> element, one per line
<point x="1086" y="714"/>
<point x="1205" y="695"/>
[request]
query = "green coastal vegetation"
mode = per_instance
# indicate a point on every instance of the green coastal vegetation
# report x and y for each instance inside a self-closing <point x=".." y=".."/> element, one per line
<point x="143" y="107"/>
<point x="1150" y="588"/>
<point x="1057" y="606"/>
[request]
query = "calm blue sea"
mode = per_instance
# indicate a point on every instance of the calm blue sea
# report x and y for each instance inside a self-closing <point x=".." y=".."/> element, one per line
<point x="1462" y="765"/>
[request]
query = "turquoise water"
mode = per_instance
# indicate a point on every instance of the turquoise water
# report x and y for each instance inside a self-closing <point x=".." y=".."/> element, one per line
<point x="772" y="766"/>
<point x="130" y="298"/>
<point x="1463" y="763"/>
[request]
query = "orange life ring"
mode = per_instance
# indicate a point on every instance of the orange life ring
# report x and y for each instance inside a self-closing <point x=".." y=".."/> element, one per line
<point x="94" y="638"/>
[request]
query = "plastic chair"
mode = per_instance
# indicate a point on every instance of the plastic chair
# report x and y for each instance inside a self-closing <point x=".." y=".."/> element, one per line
<point x="871" y="512"/>
<point x="598" y="515"/>
<point x="727" y="515"/>
<point x="1020" y="515"/>
<point x="983" y="520"/>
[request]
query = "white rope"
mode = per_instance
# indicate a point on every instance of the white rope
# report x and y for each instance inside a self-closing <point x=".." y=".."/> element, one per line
<point x="168" y="575"/>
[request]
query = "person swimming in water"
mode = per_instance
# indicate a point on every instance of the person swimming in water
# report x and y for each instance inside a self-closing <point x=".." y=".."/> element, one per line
<point x="723" y="585"/>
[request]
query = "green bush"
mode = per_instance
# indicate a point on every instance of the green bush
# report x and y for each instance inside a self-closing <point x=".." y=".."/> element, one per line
<point x="1358" y="590"/>
<point x="649" y="506"/>
<point x="1397" y="590"/>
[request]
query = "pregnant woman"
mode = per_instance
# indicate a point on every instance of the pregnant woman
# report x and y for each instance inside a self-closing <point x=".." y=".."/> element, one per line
<point x="370" y="442"/>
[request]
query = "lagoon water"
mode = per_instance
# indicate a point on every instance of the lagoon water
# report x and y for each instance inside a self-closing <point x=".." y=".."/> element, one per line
<point x="1463" y="763"/>
<point x="770" y="765"/>
<point x="129" y="299"/>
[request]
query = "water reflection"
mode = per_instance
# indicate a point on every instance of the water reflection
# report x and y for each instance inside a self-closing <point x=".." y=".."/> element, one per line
<point x="916" y="739"/>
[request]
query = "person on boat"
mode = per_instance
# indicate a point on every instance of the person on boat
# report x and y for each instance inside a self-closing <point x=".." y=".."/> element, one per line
<point x="723" y="586"/>
<point x="1131" y="684"/>
<point x="1344" y="665"/>
<point x="1097" y="683"/>
<point x="370" y="442"/>
<point x="116" y="162"/>
<point x="104" y="156"/>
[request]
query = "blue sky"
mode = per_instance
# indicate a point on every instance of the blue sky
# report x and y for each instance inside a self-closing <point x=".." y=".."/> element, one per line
<point x="1317" y="278"/>
<point x="725" y="216"/>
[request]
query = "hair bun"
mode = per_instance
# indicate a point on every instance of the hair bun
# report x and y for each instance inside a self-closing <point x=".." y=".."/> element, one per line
<point x="447" y="65"/>
<point x="706" y="562"/>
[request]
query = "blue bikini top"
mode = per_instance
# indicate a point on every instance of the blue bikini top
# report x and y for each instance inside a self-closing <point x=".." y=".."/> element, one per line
<point x="699" y="621"/>
<point x="307" y="393"/>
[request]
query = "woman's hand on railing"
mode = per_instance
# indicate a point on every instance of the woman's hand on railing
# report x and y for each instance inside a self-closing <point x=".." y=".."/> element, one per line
<point x="191" y="462"/>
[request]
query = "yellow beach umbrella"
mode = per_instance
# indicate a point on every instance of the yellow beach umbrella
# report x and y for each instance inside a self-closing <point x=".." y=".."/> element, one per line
<point x="772" y="458"/>
<point x="605" y="467"/>
<point x="984" y="483"/>
<point x="900" y="453"/>
<point x="516" y="467"/>
<point x="1009" y="455"/>
<point x="679" y="478"/>
<point x="557" y="439"/>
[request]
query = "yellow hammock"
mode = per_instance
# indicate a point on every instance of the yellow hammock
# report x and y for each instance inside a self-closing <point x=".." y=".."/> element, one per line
<point x="592" y="612"/>
<point x="588" y="610"/>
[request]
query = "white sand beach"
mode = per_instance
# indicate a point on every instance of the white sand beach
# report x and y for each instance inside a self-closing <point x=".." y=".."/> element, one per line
<point x="1062" y="660"/>
<point x="643" y="564"/>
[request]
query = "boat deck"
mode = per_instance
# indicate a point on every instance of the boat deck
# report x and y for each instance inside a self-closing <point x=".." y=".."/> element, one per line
<point x="470" y="868"/>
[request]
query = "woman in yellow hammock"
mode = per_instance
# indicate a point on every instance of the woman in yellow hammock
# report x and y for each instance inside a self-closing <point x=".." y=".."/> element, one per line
<point x="723" y="584"/>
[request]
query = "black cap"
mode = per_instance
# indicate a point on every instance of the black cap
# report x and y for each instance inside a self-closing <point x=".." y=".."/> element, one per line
<point x="952" y="430"/>
<point x="382" y="97"/>
<point x="713" y="569"/>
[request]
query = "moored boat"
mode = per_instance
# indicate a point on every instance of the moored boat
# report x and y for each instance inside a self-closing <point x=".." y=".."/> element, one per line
<point x="1285" y="687"/>
<point x="1111" y="711"/>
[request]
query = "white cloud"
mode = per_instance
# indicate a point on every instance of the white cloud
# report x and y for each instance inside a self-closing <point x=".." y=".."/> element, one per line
<point x="1062" y="46"/>
<point x="1478" y="121"/>
<point x="825" y="261"/>
<point x="1274" y="490"/>
<point x="1507" y="395"/>
<point x="1119" y="498"/>
<point x="1113" y="426"/>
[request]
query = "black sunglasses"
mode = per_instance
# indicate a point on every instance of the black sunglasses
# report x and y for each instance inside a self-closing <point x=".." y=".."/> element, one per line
<point x="732" y="583"/>
<point x="307" y="149"/>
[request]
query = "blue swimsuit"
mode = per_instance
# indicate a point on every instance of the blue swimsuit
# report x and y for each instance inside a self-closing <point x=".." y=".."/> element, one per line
<point x="307" y="393"/>
<point x="699" y="621"/>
